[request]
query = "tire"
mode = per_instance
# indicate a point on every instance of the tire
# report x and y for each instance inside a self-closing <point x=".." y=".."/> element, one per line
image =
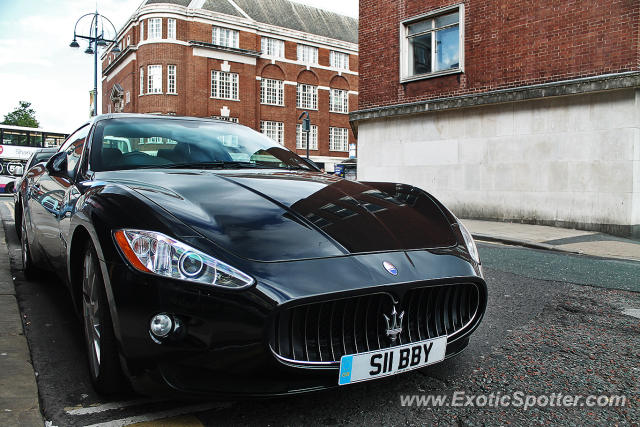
<point x="18" y="219"/>
<point x="104" y="362"/>
<point x="28" y="267"/>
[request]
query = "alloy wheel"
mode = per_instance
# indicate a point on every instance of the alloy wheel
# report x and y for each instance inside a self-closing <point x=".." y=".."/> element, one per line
<point x="24" y="246"/>
<point x="91" y="312"/>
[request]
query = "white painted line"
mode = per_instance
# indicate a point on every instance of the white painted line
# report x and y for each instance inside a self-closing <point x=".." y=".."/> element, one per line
<point x="10" y="209"/>
<point x="634" y="312"/>
<point x="162" y="414"/>
<point x="109" y="406"/>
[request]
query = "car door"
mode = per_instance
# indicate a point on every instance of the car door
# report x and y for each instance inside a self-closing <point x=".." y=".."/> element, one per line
<point x="48" y="207"/>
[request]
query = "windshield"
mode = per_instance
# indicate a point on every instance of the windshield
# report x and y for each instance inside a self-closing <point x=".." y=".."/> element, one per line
<point x="138" y="143"/>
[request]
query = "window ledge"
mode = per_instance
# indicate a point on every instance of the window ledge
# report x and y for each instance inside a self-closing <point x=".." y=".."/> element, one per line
<point x="224" y="99"/>
<point x="151" y="93"/>
<point x="339" y="112"/>
<point x="273" y="105"/>
<point x="431" y="75"/>
<point x="171" y="93"/>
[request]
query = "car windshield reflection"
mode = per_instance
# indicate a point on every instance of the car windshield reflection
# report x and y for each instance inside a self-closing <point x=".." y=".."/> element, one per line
<point x="137" y="143"/>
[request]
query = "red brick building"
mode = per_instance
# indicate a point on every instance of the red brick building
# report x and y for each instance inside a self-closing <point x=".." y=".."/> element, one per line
<point x="513" y="110"/>
<point x="258" y="63"/>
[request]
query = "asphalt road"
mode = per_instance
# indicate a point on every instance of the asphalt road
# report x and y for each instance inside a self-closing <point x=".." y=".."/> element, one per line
<point x="554" y="324"/>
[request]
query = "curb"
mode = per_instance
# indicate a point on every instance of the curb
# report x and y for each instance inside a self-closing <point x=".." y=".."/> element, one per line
<point x="19" y="400"/>
<point x="523" y="243"/>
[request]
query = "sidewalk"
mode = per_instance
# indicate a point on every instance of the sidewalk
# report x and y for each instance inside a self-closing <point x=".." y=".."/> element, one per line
<point x="554" y="238"/>
<point x="18" y="391"/>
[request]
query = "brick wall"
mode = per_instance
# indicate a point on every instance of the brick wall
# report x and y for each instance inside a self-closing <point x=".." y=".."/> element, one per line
<point x="194" y="84"/>
<point x="507" y="44"/>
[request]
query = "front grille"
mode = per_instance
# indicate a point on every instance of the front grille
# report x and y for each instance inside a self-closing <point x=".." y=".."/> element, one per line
<point x="323" y="332"/>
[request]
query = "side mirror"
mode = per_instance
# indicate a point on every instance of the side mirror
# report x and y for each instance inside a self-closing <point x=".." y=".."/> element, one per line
<point x="57" y="164"/>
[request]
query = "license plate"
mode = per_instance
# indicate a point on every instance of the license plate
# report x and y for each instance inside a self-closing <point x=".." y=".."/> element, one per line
<point x="390" y="361"/>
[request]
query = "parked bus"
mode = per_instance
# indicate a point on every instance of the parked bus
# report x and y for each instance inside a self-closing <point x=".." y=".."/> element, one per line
<point x="16" y="146"/>
<point x="18" y="143"/>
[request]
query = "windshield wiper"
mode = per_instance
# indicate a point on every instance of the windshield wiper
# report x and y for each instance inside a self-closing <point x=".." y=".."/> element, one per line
<point x="220" y="164"/>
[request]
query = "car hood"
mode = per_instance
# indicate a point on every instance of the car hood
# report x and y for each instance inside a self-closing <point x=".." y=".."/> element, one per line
<point x="268" y="215"/>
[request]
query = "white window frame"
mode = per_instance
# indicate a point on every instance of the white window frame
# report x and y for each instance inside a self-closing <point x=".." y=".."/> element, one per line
<point x="272" y="92"/>
<point x="128" y="40"/>
<point x="273" y="48"/>
<point x="141" y="81"/>
<point x="226" y="118"/>
<point x="171" y="80"/>
<point x="154" y="78"/>
<point x="339" y="139"/>
<point x="339" y="60"/>
<point x="307" y="96"/>
<point x="154" y="29"/>
<point x="338" y="101"/>
<point x="301" y="139"/>
<point x="226" y="37"/>
<point x="141" y="31"/>
<point x="307" y="54"/>
<point x="273" y="130"/>
<point x="171" y="28"/>
<point x="405" y="53"/>
<point x="219" y="81"/>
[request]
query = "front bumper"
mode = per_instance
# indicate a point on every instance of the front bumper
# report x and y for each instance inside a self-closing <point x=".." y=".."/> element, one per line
<point x="224" y="347"/>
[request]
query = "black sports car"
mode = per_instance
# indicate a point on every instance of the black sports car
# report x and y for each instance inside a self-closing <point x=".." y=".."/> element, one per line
<point x="39" y="156"/>
<point x="206" y="259"/>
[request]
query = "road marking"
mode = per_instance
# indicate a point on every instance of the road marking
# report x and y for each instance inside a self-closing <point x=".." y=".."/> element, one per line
<point x="162" y="414"/>
<point x="634" y="312"/>
<point x="9" y="207"/>
<point x="183" y="421"/>
<point x="108" y="406"/>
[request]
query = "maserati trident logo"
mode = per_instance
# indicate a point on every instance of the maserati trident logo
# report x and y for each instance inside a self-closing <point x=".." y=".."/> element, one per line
<point x="390" y="268"/>
<point x="394" y="325"/>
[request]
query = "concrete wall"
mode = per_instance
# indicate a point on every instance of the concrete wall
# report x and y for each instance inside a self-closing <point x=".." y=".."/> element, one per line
<point x="571" y="160"/>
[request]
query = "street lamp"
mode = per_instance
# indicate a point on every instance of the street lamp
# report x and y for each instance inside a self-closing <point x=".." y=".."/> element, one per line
<point x="306" y="128"/>
<point x="96" y="39"/>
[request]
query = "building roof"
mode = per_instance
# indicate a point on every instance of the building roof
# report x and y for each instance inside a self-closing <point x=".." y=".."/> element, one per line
<point x="178" y="2"/>
<point x="286" y="14"/>
<point x="221" y="6"/>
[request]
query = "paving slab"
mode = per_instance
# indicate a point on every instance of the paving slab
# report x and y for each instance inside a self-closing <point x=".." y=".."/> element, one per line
<point x="555" y="238"/>
<point x="18" y="390"/>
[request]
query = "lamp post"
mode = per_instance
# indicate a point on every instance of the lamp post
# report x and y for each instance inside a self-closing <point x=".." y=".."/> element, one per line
<point x="306" y="128"/>
<point x="96" y="39"/>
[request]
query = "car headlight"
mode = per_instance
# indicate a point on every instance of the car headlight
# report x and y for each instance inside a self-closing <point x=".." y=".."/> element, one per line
<point x="156" y="253"/>
<point x="469" y="242"/>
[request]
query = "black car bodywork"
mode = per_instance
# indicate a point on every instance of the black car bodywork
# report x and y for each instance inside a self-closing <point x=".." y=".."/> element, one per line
<point x="39" y="156"/>
<point x="313" y="244"/>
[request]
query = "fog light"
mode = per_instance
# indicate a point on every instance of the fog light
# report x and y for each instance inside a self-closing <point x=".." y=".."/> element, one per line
<point x="161" y="325"/>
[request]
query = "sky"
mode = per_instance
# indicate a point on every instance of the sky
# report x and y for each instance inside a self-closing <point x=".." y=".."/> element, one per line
<point x="37" y="65"/>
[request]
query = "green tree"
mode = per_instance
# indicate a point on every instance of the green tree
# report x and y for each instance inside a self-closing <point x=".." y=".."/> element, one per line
<point x="24" y="115"/>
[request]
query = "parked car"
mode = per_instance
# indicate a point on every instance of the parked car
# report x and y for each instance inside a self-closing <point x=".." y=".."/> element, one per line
<point x="39" y="156"/>
<point x="208" y="260"/>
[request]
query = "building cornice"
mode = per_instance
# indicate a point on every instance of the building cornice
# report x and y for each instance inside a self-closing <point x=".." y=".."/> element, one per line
<point x="235" y="50"/>
<point x="578" y="86"/>
<point x="118" y="59"/>
<point x="245" y="24"/>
